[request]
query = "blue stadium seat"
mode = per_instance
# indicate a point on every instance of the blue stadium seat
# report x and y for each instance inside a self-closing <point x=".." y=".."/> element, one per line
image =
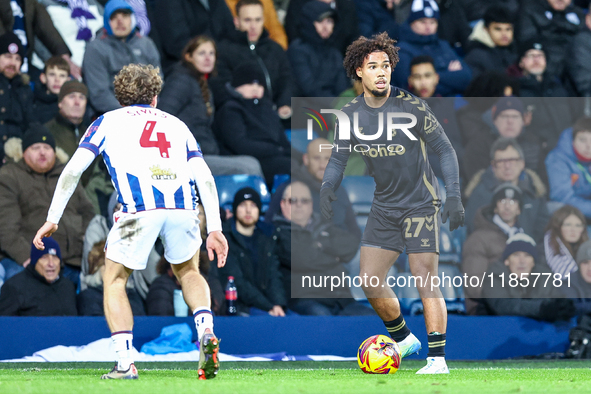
<point x="299" y="138"/>
<point x="228" y="185"/>
<point x="278" y="180"/>
<point x="360" y="191"/>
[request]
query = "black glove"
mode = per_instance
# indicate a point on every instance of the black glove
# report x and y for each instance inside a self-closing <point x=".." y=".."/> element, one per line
<point x="454" y="210"/>
<point x="327" y="196"/>
<point x="554" y="309"/>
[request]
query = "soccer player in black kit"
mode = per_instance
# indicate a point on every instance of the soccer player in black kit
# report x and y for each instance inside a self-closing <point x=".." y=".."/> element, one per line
<point x="406" y="209"/>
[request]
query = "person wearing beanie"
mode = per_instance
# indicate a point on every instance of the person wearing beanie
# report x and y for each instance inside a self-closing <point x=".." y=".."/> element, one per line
<point x="16" y="98"/>
<point x="493" y="224"/>
<point x="252" y="259"/>
<point x="418" y="36"/>
<point x="40" y="290"/>
<point x="117" y="44"/>
<point x="316" y="63"/>
<point x="529" y="298"/>
<point x="247" y="124"/>
<point x="25" y="187"/>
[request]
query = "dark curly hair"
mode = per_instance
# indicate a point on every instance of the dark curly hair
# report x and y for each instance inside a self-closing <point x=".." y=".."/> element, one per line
<point x="363" y="46"/>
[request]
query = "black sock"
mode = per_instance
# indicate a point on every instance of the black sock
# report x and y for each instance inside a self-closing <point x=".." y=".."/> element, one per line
<point x="436" y="345"/>
<point x="397" y="328"/>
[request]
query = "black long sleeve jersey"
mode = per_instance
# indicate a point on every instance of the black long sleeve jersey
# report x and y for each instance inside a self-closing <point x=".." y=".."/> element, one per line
<point x="399" y="165"/>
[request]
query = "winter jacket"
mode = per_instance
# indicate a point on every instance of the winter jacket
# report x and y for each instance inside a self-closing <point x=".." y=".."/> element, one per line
<point x="178" y="21"/>
<point x="412" y="45"/>
<point x="106" y="55"/>
<point x="534" y="213"/>
<point x="25" y="197"/>
<point x="29" y="294"/>
<point x="236" y="49"/>
<point x="258" y="283"/>
<point x="579" y="62"/>
<point x="344" y="217"/>
<point x="555" y="28"/>
<point x="483" y="55"/>
<point x="317" y="65"/>
<point x="527" y="301"/>
<point x="579" y="291"/>
<point x="562" y="262"/>
<point x="345" y="29"/>
<point x="67" y="135"/>
<point x="44" y="103"/>
<point x="453" y="23"/>
<point x="16" y="108"/>
<point x="38" y="24"/>
<point x="570" y="180"/>
<point x="375" y="18"/>
<point x="272" y="24"/>
<point x="282" y="236"/>
<point x="90" y="302"/>
<point x="181" y="96"/>
<point x="251" y="127"/>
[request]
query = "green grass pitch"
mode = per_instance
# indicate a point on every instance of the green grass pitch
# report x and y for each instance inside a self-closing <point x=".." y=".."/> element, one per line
<point x="301" y="377"/>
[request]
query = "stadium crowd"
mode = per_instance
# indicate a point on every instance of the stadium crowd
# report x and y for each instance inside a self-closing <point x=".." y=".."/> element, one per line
<point x="509" y="80"/>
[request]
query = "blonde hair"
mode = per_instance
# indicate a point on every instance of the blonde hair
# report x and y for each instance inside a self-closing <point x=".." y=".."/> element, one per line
<point x="137" y="84"/>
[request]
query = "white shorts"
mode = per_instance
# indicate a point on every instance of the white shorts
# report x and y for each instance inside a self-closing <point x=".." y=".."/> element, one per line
<point x="133" y="236"/>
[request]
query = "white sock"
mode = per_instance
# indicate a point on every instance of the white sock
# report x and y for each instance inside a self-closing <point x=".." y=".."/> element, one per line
<point x="203" y="320"/>
<point x="123" y="341"/>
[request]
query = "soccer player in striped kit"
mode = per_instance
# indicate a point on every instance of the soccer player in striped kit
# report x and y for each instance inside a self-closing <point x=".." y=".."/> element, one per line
<point x="155" y="164"/>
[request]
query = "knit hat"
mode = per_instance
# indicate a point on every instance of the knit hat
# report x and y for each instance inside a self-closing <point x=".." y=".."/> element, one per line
<point x="246" y="194"/>
<point x="534" y="43"/>
<point x="423" y="9"/>
<point x="37" y="133"/>
<point x="520" y="243"/>
<point x="507" y="190"/>
<point x="10" y="43"/>
<point x="71" y="87"/>
<point x="247" y="73"/>
<point x="317" y="11"/>
<point x="505" y="103"/>
<point x="51" y="247"/>
<point x="584" y="253"/>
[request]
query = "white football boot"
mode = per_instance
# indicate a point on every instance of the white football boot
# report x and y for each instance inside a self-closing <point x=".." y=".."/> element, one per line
<point x="435" y="365"/>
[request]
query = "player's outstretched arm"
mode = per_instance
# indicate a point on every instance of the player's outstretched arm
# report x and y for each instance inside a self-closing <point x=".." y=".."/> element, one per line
<point x="216" y="242"/>
<point x="46" y="230"/>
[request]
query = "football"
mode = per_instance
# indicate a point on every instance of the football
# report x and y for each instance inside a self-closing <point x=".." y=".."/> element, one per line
<point x="379" y="354"/>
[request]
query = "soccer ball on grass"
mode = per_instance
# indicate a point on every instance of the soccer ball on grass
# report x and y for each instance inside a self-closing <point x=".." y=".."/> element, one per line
<point x="379" y="354"/>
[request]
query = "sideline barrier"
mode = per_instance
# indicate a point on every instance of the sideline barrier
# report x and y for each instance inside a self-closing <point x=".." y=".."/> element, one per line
<point x="469" y="337"/>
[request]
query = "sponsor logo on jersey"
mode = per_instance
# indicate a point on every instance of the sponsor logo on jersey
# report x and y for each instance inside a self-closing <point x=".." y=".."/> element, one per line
<point x="162" y="174"/>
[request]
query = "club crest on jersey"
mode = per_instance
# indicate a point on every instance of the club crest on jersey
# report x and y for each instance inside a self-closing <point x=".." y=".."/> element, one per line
<point x="162" y="174"/>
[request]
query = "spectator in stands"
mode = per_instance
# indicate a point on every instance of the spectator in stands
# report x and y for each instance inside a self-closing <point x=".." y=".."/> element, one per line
<point x="248" y="125"/>
<point x="580" y="281"/>
<point x="249" y="42"/>
<point x="16" y="98"/>
<point x="316" y="64"/>
<point x="186" y="95"/>
<point x="423" y="81"/>
<point x="476" y="9"/>
<point x="535" y="301"/>
<point x="251" y="259"/>
<point x="508" y="121"/>
<point x="491" y="42"/>
<point x="312" y="172"/>
<point x="40" y="290"/>
<point x="29" y="20"/>
<point x="24" y="188"/>
<point x="178" y="21"/>
<point x="346" y="26"/>
<point x="578" y="65"/>
<point x="568" y="167"/>
<point x="318" y="247"/>
<point x="272" y="24"/>
<point x="418" y="36"/>
<point x="554" y="22"/>
<point x="54" y="75"/>
<point x="508" y="165"/>
<point x="90" y="300"/>
<point x="493" y="226"/>
<point x="565" y="233"/>
<point x="376" y="16"/>
<point x="118" y="44"/>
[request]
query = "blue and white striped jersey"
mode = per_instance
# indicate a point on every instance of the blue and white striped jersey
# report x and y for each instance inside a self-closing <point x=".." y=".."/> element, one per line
<point x="146" y="151"/>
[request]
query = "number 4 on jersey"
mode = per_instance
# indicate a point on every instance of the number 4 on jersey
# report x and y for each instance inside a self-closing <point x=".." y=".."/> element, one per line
<point x="161" y="142"/>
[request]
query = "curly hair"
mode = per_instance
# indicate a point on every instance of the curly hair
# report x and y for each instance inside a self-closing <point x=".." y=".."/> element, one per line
<point x="137" y="84"/>
<point x="363" y="46"/>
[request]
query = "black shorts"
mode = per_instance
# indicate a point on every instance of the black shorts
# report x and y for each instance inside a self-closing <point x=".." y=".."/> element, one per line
<point x="417" y="229"/>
